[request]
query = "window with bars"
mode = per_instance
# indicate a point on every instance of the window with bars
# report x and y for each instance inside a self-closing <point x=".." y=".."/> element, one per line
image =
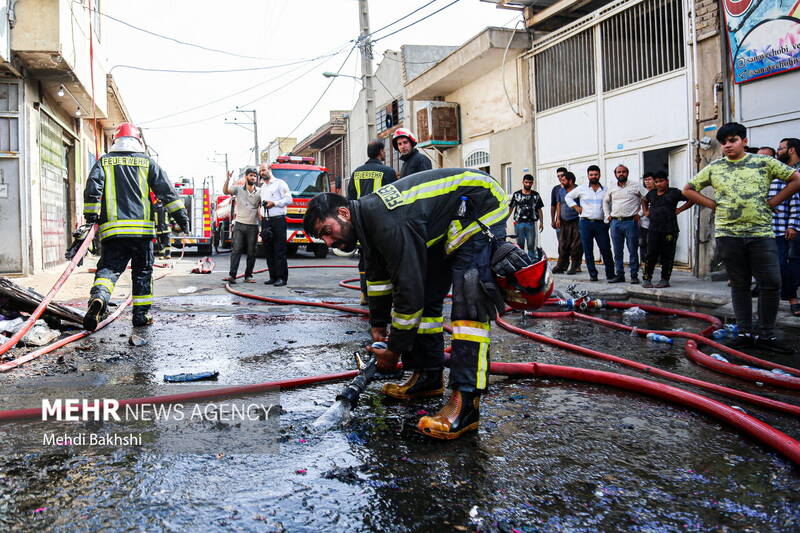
<point x="479" y="158"/>
<point x="389" y="115"/>
<point x="644" y="41"/>
<point x="565" y="72"/>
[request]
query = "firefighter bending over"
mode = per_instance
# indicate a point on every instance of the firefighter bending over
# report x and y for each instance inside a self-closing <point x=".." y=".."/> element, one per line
<point x="419" y="236"/>
<point x="117" y="196"/>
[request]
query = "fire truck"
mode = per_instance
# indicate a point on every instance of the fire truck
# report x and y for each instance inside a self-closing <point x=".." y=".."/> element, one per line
<point x="305" y="179"/>
<point x="198" y="207"/>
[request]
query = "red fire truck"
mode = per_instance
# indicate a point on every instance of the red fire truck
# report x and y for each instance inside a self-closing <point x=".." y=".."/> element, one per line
<point x="305" y="179"/>
<point x="198" y="206"/>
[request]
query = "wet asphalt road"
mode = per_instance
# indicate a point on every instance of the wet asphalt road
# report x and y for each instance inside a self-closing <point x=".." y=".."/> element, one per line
<point x="550" y="455"/>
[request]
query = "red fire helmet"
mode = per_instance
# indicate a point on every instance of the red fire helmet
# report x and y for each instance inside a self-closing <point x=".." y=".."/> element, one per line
<point x="526" y="285"/>
<point x="403" y="132"/>
<point x="126" y="129"/>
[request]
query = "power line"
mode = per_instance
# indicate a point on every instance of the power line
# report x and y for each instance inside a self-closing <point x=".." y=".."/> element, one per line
<point x="220" y="99"/>
<point x="242" y="105"/>
<point x="402" y="18"/>
<point x="321" y="95"/>
<point x="168" y="38"/>
<point x="416" y="22"/>
<point x="246" y="69"/>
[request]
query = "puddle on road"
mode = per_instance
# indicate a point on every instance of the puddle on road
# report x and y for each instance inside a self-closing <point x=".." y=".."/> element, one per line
<point x="550" y="455"/>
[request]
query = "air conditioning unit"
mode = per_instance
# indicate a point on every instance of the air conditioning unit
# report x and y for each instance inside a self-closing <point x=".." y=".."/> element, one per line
<point x="438" y="125"/>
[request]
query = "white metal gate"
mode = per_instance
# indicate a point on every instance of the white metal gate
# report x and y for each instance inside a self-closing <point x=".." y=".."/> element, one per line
<point x="54" y="190"/>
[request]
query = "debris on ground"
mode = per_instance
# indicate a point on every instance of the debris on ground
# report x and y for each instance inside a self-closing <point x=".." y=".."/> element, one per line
<point x="204" y="266"/>
<point x="14" y="298"/>
<point x="187" y="290"/>
<point x="198" y="376"/>
<point x="634" y="314"/>
<point x="39" y="335"/>
<point x="136" y="340"/>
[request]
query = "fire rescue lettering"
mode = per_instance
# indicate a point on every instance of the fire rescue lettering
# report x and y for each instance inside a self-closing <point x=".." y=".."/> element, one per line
<point x="131" y="161"/>
<point x="391" y="196"/>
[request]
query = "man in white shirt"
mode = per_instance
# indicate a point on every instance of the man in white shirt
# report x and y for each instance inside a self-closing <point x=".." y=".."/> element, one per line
<point x="592" y="224"/>
<point x="621" y="205"/>
<point x="275" y="196"/>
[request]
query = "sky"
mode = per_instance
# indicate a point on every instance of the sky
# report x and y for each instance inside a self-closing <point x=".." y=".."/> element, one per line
<point x="273" y="33"/>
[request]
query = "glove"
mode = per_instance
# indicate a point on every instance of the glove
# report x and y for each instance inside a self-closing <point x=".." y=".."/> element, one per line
<point x="91" y="218"/>
<point x="482" y="299"/>
<point x="508" y="259"/>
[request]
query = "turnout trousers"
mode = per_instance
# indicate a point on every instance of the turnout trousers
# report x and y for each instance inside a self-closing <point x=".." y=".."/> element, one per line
<point x="469" y="359"/>
<point x="114" y="258"/>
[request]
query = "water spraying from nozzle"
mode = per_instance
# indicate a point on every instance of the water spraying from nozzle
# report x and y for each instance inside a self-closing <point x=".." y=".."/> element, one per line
<point x="339" y="413"/>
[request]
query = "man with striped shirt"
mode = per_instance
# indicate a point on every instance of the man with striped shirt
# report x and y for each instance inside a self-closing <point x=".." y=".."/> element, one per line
<point x="786" y="225"/>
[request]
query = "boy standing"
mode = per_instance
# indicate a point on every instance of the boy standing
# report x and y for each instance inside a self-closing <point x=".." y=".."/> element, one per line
<point x="744" y="235"/>
<point x="660" y="205"/>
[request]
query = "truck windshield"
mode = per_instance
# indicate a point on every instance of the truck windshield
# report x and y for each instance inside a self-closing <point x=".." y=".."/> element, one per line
<point x="303" y="181"/>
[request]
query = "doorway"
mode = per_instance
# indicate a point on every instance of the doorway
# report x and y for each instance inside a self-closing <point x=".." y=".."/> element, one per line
<point x="674" y="160"/>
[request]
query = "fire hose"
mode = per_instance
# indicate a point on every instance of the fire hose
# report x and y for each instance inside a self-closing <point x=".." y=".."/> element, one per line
<point x="14" y="363"/>
<point x="757" y="429"/>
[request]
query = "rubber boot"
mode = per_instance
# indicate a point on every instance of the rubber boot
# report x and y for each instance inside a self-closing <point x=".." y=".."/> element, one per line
<point x="421" y="384"/>
<point x="142" y="319"/>
<point x="459" y="415"/>
<point x="94" y="314"/>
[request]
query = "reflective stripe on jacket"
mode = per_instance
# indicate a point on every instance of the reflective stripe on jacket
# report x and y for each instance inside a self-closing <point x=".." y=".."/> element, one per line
<point x="368" y="178"/>
<point x="118" y="190"/>
<point x="398" y="224"/>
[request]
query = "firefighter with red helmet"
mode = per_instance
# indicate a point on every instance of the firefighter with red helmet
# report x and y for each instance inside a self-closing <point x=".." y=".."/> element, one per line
<point x="419" y="236"/>
<point x="414" y="161"/>
<point x="117" y="196"/>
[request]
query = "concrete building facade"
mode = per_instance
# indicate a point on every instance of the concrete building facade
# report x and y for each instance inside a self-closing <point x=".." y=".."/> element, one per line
<point x="49" y="138"/>
<point x="488" y="81"/>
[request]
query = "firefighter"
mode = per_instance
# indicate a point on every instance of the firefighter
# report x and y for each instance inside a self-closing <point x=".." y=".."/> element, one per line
<point x="162" y="227"/>
<point x="117" y="196"/>
<point x="405" y="142"/>
<point x="420" y="235"/>
<point x="365" y="179"/>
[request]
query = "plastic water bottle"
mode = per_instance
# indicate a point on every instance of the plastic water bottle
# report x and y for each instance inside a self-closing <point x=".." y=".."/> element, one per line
<point x="462" y="208"/>
<point x="569" y="304"/>
<point x="780" y="372"/>
<point x="655" y="337"/>
<point x="380" y="345"/>
<point x="720" y="334"/>
<point x="718" y="357"/>
<point x="732" y="329"/>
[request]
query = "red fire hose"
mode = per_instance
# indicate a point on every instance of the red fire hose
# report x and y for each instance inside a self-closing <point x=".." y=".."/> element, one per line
<point x="11" y="365"/>
<point x="749" y="374"/>
<point x="10" y="343"/>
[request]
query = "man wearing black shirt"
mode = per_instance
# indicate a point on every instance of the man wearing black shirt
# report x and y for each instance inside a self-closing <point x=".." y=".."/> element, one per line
<point x="554" y="192"/>
<point x="661" y="206"/>
<point x="527" y="206"/>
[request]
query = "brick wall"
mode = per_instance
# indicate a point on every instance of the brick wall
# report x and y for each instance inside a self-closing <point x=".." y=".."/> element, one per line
<point x="707" y="16"/>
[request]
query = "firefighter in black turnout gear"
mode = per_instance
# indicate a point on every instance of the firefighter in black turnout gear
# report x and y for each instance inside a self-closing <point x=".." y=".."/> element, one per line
<point x="364" y="180"/>
<point x="414" y="161"/>
<point x="117" y="196"/>
<point x="161" y="219"/>
<point x="420" y="235"/>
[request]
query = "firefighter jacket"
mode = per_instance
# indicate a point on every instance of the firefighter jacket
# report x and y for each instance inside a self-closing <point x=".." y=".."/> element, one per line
<point x="368" y="178"/>
<point x="118" y="190"/>
<point x="401" y="221"/>
<point x="413" y="162"/>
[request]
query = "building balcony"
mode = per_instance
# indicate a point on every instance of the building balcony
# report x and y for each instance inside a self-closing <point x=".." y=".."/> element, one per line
<point x="50" y="38"/>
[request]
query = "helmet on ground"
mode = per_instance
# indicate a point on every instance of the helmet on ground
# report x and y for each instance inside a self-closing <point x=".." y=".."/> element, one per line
<point x="525" y="283"/>
<point x="403" y="132"/>
<point x="126" y="129"/>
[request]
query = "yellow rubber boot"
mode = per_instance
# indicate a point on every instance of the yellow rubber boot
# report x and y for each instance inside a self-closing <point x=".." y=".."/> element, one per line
<point x="459" y="415"/>
<point x="421" y="384"/>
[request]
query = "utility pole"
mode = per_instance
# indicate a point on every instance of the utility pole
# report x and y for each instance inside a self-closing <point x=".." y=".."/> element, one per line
<point x="366" y="66"/>
<point x="226" y="161"/>
<point x="244" y="125"/>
